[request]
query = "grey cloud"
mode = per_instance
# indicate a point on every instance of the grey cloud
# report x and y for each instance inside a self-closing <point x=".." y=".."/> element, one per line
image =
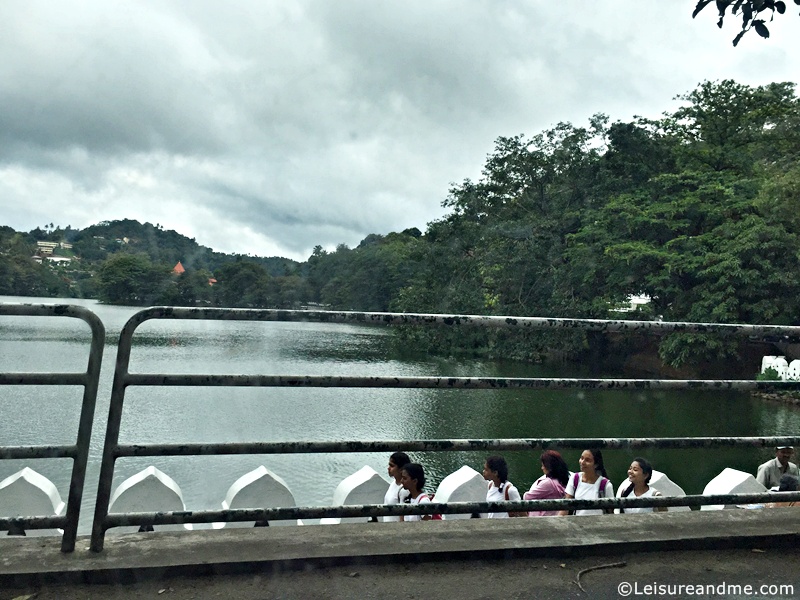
<point x="116" y="86"/>
<point x="317" y="122"/>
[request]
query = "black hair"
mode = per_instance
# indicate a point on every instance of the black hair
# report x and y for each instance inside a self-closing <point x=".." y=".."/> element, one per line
<point x="415" y="471"/>
<point x="498" y="464"/>
<point x="400" y="459"/>
<point x="788" y="483"/>
<point x="646" y="468"/>
<point x="598" y="462"/>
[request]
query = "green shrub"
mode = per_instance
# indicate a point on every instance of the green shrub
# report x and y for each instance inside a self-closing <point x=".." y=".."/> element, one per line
<point x="769" y="374"/>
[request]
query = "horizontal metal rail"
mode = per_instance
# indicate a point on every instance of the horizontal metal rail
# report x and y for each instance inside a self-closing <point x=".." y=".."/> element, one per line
<point x="450" y="508"/>
<point x="78" y="452"/>
<point x="43" y="378"/>
<point x="28" y="452"/>
<point x="462" y="383"/>
<point x="369" y="511"/>
<point x="475" y="445"/>
<point x="20" y="524"/>
<point x="124" y="379"/>
<point x="789" y="333"/>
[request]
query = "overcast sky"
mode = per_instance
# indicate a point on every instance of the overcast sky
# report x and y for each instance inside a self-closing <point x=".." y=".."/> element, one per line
<point x="269" y="127"/>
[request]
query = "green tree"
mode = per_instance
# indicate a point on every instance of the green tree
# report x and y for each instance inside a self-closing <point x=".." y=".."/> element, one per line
<point x="710" y="239"/>
<point x="20" y="275"/>
<point x="367" y="277"/>
<point x="243" y="283"/>
<point x="130" y="279"/>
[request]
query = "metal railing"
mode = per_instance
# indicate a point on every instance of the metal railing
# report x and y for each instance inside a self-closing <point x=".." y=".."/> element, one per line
<point x="78" y="452"/>
<point x="124" y="379"/>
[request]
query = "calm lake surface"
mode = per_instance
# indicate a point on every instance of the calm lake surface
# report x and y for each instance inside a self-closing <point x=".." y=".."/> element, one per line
<point x="45" y="415"/>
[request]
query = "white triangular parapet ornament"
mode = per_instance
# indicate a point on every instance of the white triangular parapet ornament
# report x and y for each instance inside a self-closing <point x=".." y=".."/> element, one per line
<point x="365" y="486"/>
<point x="150" y="490"/>
<point x="780" y="365"/>
<point x="464" y="485"/>
<point x="731" y="481"/>
<point x="794" y="370"/>
<point x="260" y="488"/>
<point x="666" y="487"/>
<point x="767" y="362"/>
<point x="27" y="493"/>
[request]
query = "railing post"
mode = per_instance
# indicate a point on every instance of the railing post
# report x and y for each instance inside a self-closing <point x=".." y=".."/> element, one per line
<point x="90" y="381"/>
<point x="112" y="435"/>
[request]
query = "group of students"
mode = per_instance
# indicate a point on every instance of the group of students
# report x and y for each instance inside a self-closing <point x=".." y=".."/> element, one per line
<point x="590" y="482"/>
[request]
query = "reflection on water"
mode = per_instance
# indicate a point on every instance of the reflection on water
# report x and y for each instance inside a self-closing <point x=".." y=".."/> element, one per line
<point x="47" y="415"/>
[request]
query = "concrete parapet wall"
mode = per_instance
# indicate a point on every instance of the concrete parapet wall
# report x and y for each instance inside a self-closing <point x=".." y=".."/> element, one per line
<point x="136" y="556"/>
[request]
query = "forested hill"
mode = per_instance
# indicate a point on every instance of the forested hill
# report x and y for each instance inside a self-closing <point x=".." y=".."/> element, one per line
<point x="699" y="210"/>
<point x="124" y="262"/>
<point x="162" y="246"/>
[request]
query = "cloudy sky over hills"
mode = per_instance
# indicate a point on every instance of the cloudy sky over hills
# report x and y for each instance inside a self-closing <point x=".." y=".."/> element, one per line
<point x="270" y="127"/>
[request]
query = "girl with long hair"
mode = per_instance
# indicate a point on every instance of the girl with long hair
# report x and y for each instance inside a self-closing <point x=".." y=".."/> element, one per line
<point x="639" y="474"/>
<point x="412" y="477"/>
<point x="590" y="483"/>
<point x="396" y="494"/>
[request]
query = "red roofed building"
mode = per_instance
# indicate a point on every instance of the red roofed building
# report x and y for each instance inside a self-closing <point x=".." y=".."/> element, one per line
<point x="178" y="269"/>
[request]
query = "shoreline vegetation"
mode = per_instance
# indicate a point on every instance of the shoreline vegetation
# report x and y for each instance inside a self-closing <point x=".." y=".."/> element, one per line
<point x="694" y="211"/>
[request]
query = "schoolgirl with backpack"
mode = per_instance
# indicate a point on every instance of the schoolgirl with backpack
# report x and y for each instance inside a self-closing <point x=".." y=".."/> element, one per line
<point x="591" y="482"/>
<point x="412" y="477"/>
<point x="495" y="471"/>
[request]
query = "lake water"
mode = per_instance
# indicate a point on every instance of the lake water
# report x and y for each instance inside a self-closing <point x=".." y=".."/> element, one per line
<point x="34" y="415"/>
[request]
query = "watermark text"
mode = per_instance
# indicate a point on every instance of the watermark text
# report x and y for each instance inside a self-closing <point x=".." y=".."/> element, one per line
<point x="635" y="588"/>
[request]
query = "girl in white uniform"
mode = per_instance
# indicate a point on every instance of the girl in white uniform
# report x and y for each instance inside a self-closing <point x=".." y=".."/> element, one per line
<point x="413" y="479"/>
<point x="495" y="471"/>
<point x="639" y="474"/>
<point x="592" y="482"/>
<point x="396" y="494"/>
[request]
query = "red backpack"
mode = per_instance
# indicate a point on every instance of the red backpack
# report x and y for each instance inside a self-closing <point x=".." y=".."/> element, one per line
<point x="434" y="516"/>
<point x="511" y="513"/>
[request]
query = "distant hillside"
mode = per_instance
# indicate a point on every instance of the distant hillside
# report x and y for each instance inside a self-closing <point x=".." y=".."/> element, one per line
<point x="162" y="246"/>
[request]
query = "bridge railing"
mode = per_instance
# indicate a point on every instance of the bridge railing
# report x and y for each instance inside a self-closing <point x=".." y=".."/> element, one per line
<point x="78" y="452"/>
<point x="124" y="379"/>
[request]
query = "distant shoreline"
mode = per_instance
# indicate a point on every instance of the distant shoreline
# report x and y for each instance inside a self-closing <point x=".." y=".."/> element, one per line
<point x="792" y="398"/>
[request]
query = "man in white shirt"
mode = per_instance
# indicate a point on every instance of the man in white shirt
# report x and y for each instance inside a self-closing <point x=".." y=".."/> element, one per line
<point x="770" y="473"/>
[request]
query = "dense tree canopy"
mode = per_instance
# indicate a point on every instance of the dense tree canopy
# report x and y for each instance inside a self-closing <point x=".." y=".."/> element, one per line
<point x="20" y="275"/>
<point x="131" y="279"/>
<point x="693" y="210"/>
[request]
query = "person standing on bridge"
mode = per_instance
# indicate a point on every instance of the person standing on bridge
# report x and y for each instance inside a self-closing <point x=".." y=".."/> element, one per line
<point x="639" y="474"/>
<point x="412" y="476"/>
<point x="551" y="485"/>
<point x="495" y="471"/>
<point x="591" y="483"/>
<point x="770" y="473"/>
<point x="396" y="494"/>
